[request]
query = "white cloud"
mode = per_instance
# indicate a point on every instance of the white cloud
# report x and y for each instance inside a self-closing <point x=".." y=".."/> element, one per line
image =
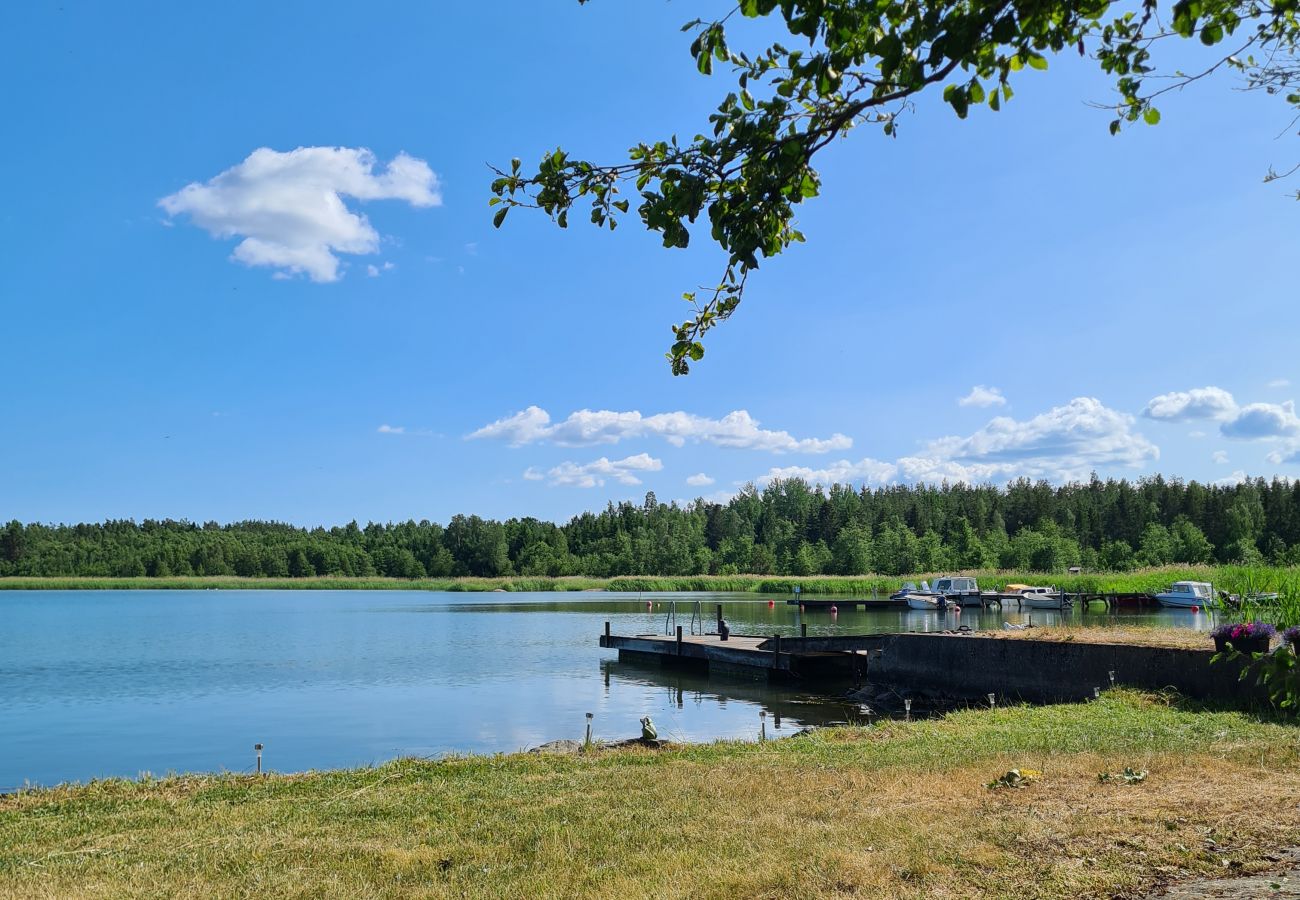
<point x="1263" y="420"/>
<point x="1196" y="434"/>
<point x="587" y="427"/>
<point x="699" y="480"/>
<point x="1063" y="444"/>
<point x="1232" y="480"/>
<point x="289" y="207"/>
<point x="532" y="474"/>
<point x="391" y="429"/>
<point x="1219" y="456"/>
<point x="374" y="271"/>
<point x="1280" y="383"/>
<point x="866" y="471"/>
<point x="594" y="474"/>
<point x="980" y="395"/>
<point x="1198" y="403"/>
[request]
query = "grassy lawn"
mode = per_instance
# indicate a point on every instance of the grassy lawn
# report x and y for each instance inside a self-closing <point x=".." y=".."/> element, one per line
<point x="898" y="810"/>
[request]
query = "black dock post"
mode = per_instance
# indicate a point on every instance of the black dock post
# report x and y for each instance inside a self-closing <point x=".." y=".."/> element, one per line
<point x="679" y="640"/>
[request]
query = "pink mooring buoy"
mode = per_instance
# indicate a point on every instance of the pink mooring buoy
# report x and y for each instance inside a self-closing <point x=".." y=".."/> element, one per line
<point x="1196" y="609"/>
<point x="771" y="603"/>
<point x="834" y="610"/>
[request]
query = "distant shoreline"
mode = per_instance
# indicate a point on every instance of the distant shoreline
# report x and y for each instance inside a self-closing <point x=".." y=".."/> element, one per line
<point x="1232" y="578"/>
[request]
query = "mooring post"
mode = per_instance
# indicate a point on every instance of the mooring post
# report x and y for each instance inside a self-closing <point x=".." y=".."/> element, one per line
<point x="606" y="634"/>
<point x="803" y="629"/>
<point x="776" y="654"/>
<point x="679" y="640"/>
<point x="719" y="618"/>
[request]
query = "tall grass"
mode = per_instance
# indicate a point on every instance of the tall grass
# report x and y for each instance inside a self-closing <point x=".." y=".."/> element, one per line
<point x="1235" y="579"/>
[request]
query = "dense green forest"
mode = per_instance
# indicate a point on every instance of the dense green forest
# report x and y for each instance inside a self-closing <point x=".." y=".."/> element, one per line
<point x="788" y="528"/>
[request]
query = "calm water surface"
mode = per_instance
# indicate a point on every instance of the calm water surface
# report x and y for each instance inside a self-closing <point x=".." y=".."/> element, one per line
<point x="116" y="683"/>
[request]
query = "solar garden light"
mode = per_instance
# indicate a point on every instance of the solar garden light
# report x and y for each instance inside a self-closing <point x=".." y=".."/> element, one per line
<point x="993" y="700"/>
<point x="1096" y="693"/>
<point x="907" y="709"/>
<point x="762" y="724"/>
<point x="258" y="748"/>
<point x="588" y="741"/>
<point x="1112" y="677"/>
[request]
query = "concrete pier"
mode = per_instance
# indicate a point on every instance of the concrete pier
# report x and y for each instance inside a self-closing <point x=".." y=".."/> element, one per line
<point x="960" y="665"/>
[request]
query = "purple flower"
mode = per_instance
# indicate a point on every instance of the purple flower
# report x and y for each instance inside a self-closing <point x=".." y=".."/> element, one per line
<point x="1292" y="635"/>
<point x="1248" y="630"/>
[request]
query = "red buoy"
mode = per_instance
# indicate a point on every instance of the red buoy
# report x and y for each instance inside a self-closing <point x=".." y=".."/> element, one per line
<point x="771" y="603"/>
<point x="834" y="610"/>
<point x="1196" y="609"/>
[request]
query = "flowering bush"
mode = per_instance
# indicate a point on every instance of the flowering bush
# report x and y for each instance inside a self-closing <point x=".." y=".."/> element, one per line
<point x="1292" y="636"/>
<point x="1239" y="631"/>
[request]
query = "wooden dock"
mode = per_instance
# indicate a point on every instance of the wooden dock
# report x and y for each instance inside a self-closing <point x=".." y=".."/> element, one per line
<point x="776" y="656"/>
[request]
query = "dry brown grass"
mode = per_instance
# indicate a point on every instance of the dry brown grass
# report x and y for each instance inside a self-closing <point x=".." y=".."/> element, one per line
<point x="1142" y="635"/>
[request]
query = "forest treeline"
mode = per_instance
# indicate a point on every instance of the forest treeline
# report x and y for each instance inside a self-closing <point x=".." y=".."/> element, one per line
<point x="787" y="528"/>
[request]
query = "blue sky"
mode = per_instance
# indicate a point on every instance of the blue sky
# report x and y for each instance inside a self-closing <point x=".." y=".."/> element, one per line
<point x="1117" y="304"/>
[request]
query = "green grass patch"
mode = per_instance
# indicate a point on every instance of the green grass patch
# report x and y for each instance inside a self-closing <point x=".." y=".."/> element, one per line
<point x="898" y="809"/>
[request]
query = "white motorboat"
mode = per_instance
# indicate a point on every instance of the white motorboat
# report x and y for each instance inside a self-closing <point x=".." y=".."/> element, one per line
<point x="960" y="590"/>
<point x="1038" y="597"/>
<point x="1188" y="595"/>
<point x="929" y="602"/>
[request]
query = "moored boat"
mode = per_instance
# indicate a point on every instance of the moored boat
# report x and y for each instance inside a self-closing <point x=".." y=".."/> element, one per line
<point x="1031" y="597"/>
<point x="960" y="590"/>
<point x="1188" y="595"/>
<point x="928" y="602"/>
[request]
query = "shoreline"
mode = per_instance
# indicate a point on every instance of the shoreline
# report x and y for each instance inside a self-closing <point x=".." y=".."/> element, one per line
<point x="1232" y="578"/>
<point x="837" y="811"/>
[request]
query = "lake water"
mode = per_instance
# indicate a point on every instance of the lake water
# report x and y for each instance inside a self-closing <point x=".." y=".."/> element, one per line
<point x="117" y="683"/>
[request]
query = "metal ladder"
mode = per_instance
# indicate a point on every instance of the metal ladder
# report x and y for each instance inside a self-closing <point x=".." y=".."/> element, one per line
<point x="697" y="617"/>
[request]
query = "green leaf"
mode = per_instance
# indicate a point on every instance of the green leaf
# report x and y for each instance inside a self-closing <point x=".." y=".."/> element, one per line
<point x="1151" y="116"/>
<point x="500" y="216"/>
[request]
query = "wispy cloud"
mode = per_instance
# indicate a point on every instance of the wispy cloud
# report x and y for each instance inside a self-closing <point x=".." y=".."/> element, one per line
<point x="374" y="271"/>
<point x="699" y="480"/>
<point x="289" y="208"/>
<point x="1280" y="383"/>
<point x="1065" y="443"/>
<point x="597" y="472"/>
<point x="1219" y="456"/>
<point x="586" y="428"/>
<point x="982" y="396"/>
<point x="391" y="429"/>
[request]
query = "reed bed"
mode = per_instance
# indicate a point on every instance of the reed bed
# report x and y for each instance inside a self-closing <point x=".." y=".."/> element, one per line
<point x="1236" y="579"/>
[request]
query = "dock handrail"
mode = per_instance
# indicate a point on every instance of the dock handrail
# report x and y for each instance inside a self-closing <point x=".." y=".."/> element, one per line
<point x="697" y="617"/>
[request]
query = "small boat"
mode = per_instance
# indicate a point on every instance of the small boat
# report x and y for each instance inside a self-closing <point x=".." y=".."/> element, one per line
<point x="928" y="602"/>
<point x="960" y="590"/>
<point x="909" y="587"/>
<point x="1188" y="595"/>
<point x="1039" y="597"/>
